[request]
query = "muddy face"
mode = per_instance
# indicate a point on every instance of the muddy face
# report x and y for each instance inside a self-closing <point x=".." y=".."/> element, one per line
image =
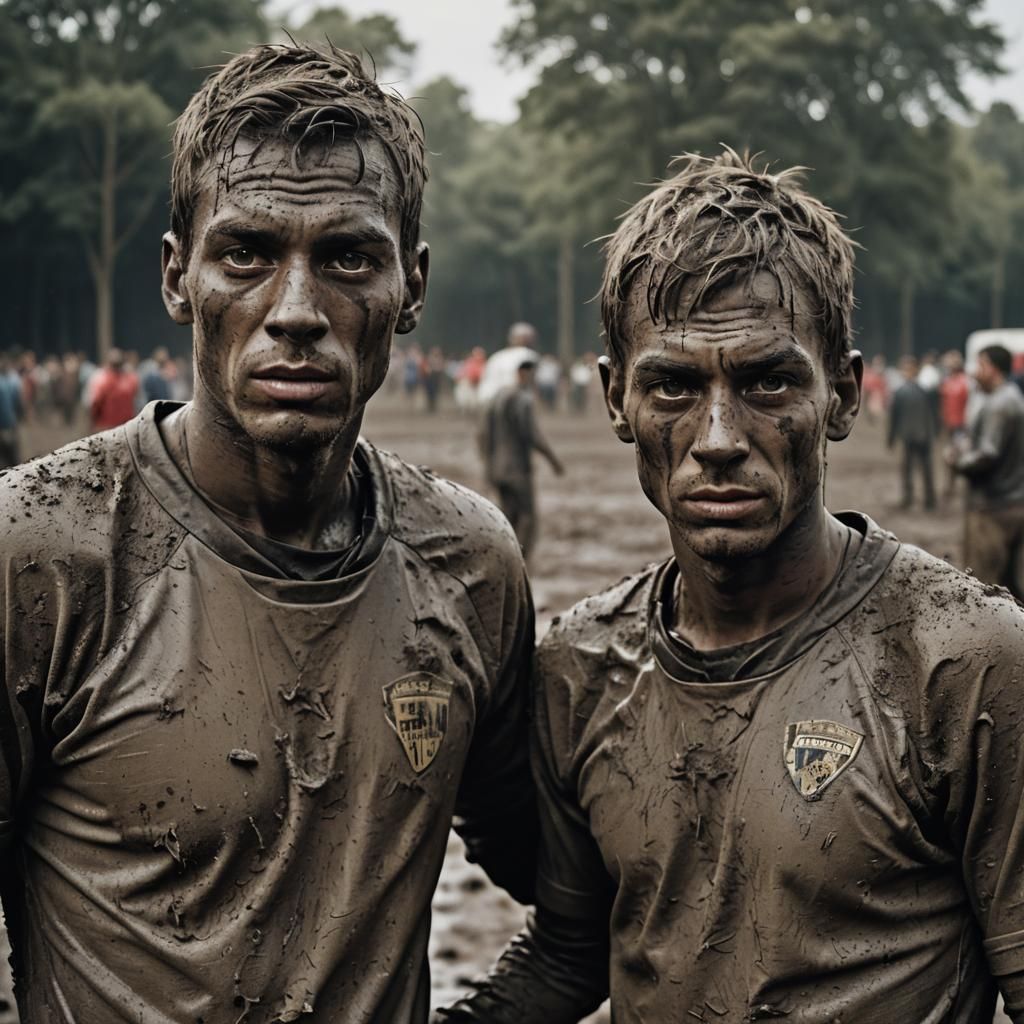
<point x="729" y="412"/>
<point x="295" y="286"/>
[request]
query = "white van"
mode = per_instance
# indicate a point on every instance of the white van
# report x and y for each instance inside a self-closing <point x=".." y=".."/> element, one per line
<point x="1011" y="338"/>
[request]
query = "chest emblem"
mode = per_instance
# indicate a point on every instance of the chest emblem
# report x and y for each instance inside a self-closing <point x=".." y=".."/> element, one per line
<point x="416" y="706"/>
<point x="817" y="752"/>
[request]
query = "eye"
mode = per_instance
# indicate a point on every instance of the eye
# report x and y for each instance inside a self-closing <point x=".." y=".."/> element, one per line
<point x="241" y="258"/>
<point x="671" y="388"/>
<point x="770" y="384"/>
<point x="349" y="263"/>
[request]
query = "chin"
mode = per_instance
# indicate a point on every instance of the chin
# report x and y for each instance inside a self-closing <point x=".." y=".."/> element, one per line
<point x="726" y="544"/>
<point x="293" y="430"/>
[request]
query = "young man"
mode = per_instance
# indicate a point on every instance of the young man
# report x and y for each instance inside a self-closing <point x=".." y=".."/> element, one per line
<point x="780" y="773"/>
<point x="251" y="665"/>
<point x="912" y="424"/>
<point x="991" y="457"/>
<point x="509" y="435"/>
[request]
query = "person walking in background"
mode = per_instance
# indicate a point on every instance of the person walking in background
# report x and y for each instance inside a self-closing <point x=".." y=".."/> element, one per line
<point x="912" y="423"/>
<point x="992" y="460"/>
<point x="502" y="367"/>
<point x="929" y="376"/>
<point x="10" y="414"/>
<point x="113" y="393"/>
<point x="509" y="435"/>
<point x="954" y="391"/>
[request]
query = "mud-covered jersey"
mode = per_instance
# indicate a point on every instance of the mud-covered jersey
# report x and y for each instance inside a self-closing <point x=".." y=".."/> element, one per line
<point x="225" y="795"/>
<point x="834" y="835"/>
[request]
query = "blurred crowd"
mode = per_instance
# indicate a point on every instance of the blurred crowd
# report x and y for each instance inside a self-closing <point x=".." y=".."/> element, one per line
<point x="432" y="378"/>
<point x="73" y="392"/>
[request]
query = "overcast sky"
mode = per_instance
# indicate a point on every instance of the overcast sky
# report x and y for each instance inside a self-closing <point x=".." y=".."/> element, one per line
<point x="457" y="38"/>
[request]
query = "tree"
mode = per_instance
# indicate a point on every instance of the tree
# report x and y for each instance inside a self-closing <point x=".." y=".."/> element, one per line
<point x="860" y="90"/>
<point x="378" y="35"/>
<point x="100" y="119"/>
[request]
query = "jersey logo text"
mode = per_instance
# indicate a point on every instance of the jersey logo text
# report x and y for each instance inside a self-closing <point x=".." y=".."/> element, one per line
<point x="817" y="752"/>
<point x="417" y="708"/>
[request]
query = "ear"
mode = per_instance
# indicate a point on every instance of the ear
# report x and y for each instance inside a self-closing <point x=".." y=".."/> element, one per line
<point x="614" y="383"/>
<point x="415" y="291"/>
<point x="172" y="287"/>
<point x="845" y="398"/>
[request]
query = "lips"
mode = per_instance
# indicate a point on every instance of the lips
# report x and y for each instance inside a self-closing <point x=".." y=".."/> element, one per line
<point x="293" y="382"/>
<point x="723" y="503"/>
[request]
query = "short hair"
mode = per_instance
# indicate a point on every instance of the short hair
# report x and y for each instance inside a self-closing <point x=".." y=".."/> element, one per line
<point x="999" y="357"/>
<point x="302" y="94"/>
<point x="718" y="221"/>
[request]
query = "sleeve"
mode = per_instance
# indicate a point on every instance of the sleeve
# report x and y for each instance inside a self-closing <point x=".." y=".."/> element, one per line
<point x="556" y="970"/>
<point x="976" y="717"/>
<point x="496" y="808"/>
<point x="19" y="699"/>
<point x="984" y="454"/>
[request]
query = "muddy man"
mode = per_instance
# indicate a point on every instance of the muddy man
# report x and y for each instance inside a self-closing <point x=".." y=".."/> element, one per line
<point x="781" y="774"/>
<point x="251" y="664"/>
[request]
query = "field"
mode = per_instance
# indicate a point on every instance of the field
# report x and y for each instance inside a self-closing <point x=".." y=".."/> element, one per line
<point x="595" y="527"/>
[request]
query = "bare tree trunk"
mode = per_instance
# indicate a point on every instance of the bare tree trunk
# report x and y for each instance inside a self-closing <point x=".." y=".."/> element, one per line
<point x="907" y="317"/>
<point x="995" y="312"/>
<point x="106" y="255"/>
<point x="566" y="303"/>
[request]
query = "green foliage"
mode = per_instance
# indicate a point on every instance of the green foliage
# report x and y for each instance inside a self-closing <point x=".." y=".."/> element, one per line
<point x="378" y="35"/>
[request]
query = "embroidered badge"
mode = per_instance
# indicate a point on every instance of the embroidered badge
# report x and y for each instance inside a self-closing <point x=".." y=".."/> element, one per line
<point x="817" y="752"/>
<point x="417" y="708"/>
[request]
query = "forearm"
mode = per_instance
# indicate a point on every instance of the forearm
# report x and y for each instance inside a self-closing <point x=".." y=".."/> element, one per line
<point x="554" y="972"/>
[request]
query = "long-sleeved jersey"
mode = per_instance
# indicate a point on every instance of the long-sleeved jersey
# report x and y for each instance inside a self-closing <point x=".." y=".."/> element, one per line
<point x="825" y="825"/>
<point x="225" y="794"/>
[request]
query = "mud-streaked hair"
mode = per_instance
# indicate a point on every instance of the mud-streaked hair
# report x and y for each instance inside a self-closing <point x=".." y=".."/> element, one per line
<point x="303" y="94"/>
<point x="720" y="221"/>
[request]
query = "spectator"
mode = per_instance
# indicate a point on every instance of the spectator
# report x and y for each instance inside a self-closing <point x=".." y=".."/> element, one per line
<point x="10" y="413"/>
<point x="502" y="368"/>
<point x="549" y="376"/>
<point x="113" y="393"/>
<point x="992" y="459"/>
<point x="912" y="423"/>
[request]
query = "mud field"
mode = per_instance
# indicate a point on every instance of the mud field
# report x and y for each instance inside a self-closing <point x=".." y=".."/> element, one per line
<point x="595" y="527"/>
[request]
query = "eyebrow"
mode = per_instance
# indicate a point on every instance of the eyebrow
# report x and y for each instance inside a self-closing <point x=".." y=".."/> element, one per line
<point x="263" y="238"/>
<point x="739" y="365"/>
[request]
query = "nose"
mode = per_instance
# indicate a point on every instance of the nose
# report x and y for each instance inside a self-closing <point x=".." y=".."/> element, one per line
<point x="721" y="439"/>
<point x="296" y="313"/>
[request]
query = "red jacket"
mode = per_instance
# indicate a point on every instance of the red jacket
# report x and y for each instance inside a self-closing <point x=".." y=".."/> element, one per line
<point x="113" y="398"/>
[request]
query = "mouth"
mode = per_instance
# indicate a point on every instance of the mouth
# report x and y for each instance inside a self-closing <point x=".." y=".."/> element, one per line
<point x="723" y="504"/>
<point x="297" y="383"/>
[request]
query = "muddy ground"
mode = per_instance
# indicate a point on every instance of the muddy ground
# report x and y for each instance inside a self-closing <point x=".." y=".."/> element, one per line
<point x="596" y="526"/>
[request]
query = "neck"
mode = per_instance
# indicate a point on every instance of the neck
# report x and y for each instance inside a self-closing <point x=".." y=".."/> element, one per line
<point x="723" y="603"/>
<point x="299" y="496"/>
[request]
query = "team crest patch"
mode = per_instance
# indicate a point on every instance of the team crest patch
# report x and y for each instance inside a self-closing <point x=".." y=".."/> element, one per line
<point x="417" y="708"/>
<point x="817" y="752"/>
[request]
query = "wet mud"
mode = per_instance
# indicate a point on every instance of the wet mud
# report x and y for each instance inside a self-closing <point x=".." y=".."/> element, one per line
<point x="595" y="526"/>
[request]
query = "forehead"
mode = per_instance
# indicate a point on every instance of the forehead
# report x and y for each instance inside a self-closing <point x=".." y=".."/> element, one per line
<point x="755" y="314"/>
<point x="273" y="180"/>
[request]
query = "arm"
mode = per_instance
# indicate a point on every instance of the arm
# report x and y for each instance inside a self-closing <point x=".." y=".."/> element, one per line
<point x="982" y="457"/>
<point x="496" y="809"/>
<point x="979" y="695"/>
<point x="556" y="970"/>
<point x="538" y="441"/>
